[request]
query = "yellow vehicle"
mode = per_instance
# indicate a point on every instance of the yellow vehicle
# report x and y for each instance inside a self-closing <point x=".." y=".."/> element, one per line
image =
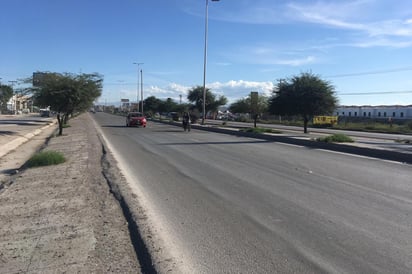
<point x="325" y="120"/>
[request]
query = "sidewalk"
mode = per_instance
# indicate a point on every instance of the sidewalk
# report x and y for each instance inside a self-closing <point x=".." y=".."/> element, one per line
<point x="63" y="218"/>
<point x="15" y="130"/>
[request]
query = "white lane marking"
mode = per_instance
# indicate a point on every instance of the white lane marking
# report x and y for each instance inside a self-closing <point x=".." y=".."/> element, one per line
<point x="361" y="156"/>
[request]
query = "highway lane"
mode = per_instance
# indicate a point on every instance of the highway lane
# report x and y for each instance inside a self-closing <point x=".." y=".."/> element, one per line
<point x="230" y="204"/>
<point x="321" y="131"/>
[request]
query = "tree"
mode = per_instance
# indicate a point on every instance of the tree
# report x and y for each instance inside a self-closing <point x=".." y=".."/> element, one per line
<point x="152" y="105"/>
<point x="6" y="92"/>
<point x="195" y="96"/>
<point x="241" y="106"/>
<point x="245" y="105"/>
<point x="67" y="93"/>
<point x="305" y="95"/>
<point x="168" y="105"/>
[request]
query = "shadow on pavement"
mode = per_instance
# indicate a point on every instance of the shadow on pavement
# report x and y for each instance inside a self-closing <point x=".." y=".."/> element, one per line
<point x="7" y="132"/>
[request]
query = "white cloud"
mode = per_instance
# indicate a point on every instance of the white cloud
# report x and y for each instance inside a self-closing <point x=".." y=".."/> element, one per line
<point x="270" y="55"/>
<point x="236" y="89"/>
<point x="391" y="28"/>
<point x="297" y="62"/>
<point x="371" y="19"/>
<point x="172" y="90"/>
<point x="178" y="88"/>
<point x="382" y="42"/>
<point x="366" y="17"/>
<point x="233" y="90"/>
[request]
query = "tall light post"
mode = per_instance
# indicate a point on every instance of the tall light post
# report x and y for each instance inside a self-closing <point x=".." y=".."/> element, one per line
<point x="205" y="61"/>
<point x="141" y="88"/>
<point x="137" y="95"/>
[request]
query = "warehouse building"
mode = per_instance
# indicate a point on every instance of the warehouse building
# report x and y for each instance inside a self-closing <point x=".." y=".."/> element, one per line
<point x="375" y="112"/>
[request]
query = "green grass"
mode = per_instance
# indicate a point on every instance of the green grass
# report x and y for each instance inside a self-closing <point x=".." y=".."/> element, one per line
<point x="46" y="158"/>
<point x="260" y="130"/>
<point x="336" y="138"/>
<point x="375" y="127"/>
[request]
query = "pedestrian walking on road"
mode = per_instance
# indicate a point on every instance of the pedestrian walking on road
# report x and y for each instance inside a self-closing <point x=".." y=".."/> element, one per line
<point x="186" y="121"/>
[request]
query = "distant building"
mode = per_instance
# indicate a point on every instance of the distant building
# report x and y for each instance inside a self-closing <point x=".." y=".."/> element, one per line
<point x="20" y="104"/>
<point x="375" y="112"/>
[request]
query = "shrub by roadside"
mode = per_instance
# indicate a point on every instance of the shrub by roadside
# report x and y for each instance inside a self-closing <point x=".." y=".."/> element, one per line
<point x="46" y="158"/>
<point x="260" y="130"/>
<point x="336" y="138"/>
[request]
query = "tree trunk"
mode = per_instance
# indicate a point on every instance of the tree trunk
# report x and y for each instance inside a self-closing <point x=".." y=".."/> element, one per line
<point x="255" y="119"/>
<point x="60" y="120"/>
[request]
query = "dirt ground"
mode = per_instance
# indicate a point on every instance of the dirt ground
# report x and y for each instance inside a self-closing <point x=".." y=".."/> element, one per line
<point x="63" y="218"/>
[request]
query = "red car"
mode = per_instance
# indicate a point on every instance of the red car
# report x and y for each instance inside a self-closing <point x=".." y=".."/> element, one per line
<point x="135" y="119"/>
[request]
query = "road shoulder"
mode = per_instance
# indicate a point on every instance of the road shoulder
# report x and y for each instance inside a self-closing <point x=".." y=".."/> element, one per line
<point x="64" y="217"/>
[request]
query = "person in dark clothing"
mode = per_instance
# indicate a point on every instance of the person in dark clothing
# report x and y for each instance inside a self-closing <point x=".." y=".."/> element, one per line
<point x="186" y="121"/>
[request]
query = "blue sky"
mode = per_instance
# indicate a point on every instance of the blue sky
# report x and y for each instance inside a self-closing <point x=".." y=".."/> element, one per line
<point x="363" y="47"/>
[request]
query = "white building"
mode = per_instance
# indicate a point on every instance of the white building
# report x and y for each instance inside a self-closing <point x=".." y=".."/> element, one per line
<point x="19" y="103"/>
<point x="376" y="112"/>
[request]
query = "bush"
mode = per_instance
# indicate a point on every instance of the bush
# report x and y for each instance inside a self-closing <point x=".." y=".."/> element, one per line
<point x="241" y="119"/>
<point x="409" y="125"/>
<point x="336" y="138"/>
<point x="260" y="130"/>
<point x="194" y="116"/>
<point x="46" y="158"/>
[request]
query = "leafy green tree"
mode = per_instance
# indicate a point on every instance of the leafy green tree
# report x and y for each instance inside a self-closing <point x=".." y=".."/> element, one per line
<point x="241" y="106"/>
<point x="67" y="93"/>
<point x="305" y="95"/>
<point x="195" y="96"/>
<point x="6" y="92"/>
<point x="169" y="105"/>
<point x="244" y="105"/>
<point x="152" y="105"/>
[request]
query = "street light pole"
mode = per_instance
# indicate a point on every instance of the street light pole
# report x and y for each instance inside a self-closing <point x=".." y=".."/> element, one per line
<point x="137" y="95"/>
<point x="141" y="88"/>
<point x="205" y="61"/>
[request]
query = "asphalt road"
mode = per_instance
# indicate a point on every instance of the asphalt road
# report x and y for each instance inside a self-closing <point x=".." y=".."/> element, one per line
<point x="320" y="131"/>
<point x="227" y="204"/>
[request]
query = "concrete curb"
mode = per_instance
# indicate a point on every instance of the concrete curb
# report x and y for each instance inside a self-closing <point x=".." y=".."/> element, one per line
<point x="10" y="146"/>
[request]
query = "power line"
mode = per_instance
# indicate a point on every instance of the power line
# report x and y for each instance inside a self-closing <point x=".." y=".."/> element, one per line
<point x="370" y="72"/>
<point x="375" y="93"/>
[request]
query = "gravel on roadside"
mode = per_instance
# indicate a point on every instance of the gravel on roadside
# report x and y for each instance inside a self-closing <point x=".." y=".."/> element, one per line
<point x="64" y="218"/>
